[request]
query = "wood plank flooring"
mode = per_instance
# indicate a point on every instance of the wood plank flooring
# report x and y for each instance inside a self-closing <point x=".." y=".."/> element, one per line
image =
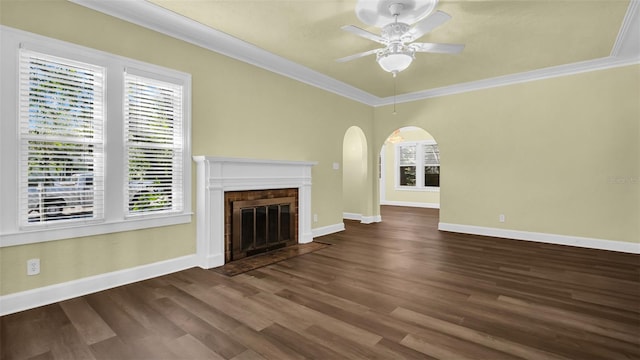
<point x="399" y="289"/>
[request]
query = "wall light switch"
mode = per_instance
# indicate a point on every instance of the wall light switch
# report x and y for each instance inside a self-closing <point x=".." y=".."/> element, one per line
<point x="336" y="166"/>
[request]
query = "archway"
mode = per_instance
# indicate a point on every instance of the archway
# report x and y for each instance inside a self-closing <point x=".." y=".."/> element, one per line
<point x="354" y="174"/>
<point x="410" y="169"/>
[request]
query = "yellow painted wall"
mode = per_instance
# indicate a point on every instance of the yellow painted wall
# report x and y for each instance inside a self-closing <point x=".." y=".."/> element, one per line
<point x="558" y="156"/>
<point x="405" y="196"/>
<point x="237" y="110"/>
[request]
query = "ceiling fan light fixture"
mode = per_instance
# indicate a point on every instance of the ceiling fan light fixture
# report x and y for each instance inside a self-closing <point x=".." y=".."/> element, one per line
<point x="395" y="61"/>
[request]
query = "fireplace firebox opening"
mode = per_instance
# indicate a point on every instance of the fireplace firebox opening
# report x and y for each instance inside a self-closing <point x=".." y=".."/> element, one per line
<point x="258" y="221"/>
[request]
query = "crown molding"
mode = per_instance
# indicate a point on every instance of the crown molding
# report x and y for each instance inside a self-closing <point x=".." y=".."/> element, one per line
<point x="157" y="18"/>
<point x="546" y="73"/>
<point x="628" y="41"/>
<point x="626" y="51"/>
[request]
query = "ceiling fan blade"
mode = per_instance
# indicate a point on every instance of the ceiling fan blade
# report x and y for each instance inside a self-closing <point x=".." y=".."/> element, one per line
<point x="363" y="33"/>
<point x="356" y="56"/>
<point x="428" y="24"/>
<point x="437" y="48"/>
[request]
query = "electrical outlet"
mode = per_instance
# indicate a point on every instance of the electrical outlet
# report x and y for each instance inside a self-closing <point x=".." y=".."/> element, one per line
<point x="501" y="218"/>
<point x="315" y="217"/>
<point x="33" y="266"/>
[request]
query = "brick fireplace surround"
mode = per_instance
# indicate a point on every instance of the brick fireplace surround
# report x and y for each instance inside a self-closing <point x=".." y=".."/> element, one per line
<point x="217" y="175"/>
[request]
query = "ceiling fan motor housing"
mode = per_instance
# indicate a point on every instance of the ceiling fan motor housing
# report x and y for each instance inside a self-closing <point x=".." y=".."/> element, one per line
<point x="396" y="48"/>
<point x="396" y="31"/>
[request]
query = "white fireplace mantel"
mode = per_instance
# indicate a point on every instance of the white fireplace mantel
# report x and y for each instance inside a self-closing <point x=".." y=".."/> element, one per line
<point x="216" y="175"/>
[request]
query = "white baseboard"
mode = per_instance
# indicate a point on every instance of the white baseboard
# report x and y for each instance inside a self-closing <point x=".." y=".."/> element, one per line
<point x="371" y="219"/>
<point x="411" y="204"/>
<point x="211" y="261"/>
<point x="352" y="216"/>
<point x="601" y="244"/>
<point x="326" y="230"/>
<point x="362" y="219"/>
<point x="30" y="299"/>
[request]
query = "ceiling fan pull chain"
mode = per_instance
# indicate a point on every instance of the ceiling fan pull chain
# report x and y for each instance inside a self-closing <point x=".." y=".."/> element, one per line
<point x="394" y="92"/>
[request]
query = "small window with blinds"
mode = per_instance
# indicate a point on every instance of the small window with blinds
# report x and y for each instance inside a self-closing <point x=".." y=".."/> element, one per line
<point x="61" y="145"/>
<point x="154" y="145"/>
<point x="407" y="165"/>
<point x="431" y="165"/>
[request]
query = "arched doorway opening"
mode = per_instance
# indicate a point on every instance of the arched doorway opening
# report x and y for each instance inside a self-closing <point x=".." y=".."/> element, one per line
<point x="410" y="169"/>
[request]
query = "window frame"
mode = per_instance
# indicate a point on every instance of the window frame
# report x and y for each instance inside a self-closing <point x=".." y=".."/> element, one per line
<point x="399" y="164"/>
<point x="12" y="232"/>
<point x="25" y="136"/>
<point x="422" y="145"/>
<point x="420" y="164"/>
<point x="152" y="78"/>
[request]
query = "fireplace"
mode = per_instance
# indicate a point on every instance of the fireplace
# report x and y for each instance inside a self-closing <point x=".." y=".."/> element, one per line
<point x="258" y="221"/>
<point x="220" y="177"/>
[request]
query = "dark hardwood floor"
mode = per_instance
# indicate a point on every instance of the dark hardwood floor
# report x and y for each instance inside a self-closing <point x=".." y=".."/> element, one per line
<point x="392" y="290"/>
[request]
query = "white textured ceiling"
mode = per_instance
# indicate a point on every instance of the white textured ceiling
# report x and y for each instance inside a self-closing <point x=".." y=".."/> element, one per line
<point x="302" y="39"/>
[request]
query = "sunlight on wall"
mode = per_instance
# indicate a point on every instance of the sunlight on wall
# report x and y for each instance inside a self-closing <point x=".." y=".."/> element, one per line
<point x="354" y="170"/>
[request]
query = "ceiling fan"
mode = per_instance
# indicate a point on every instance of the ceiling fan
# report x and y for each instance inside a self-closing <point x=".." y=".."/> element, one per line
<point x="397" y="35"/>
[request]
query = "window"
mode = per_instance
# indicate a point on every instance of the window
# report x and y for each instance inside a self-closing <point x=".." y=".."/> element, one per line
<point x="431" y="165"/>
<point x="411" y="156"/>
<point x="407" y="165"/>
<point x="153" y="139"/>
<point x="89" y="158"/>
<point x="61" y="142"/>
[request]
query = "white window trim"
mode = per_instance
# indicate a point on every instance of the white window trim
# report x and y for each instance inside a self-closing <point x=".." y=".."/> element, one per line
<point x="114" y="220"/>
<point x="419" y="165"/>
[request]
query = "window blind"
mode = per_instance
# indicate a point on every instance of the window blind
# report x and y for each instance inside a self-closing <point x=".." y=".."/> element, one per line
<point x="153" y="140"/>
<point x="431" y="154"/>
<point x="61" y="139"/>
<point x="407" y="155"/>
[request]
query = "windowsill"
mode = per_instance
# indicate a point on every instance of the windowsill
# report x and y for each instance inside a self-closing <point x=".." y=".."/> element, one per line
<point x="417" y="189"/>
<point x="50" y="233"/>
